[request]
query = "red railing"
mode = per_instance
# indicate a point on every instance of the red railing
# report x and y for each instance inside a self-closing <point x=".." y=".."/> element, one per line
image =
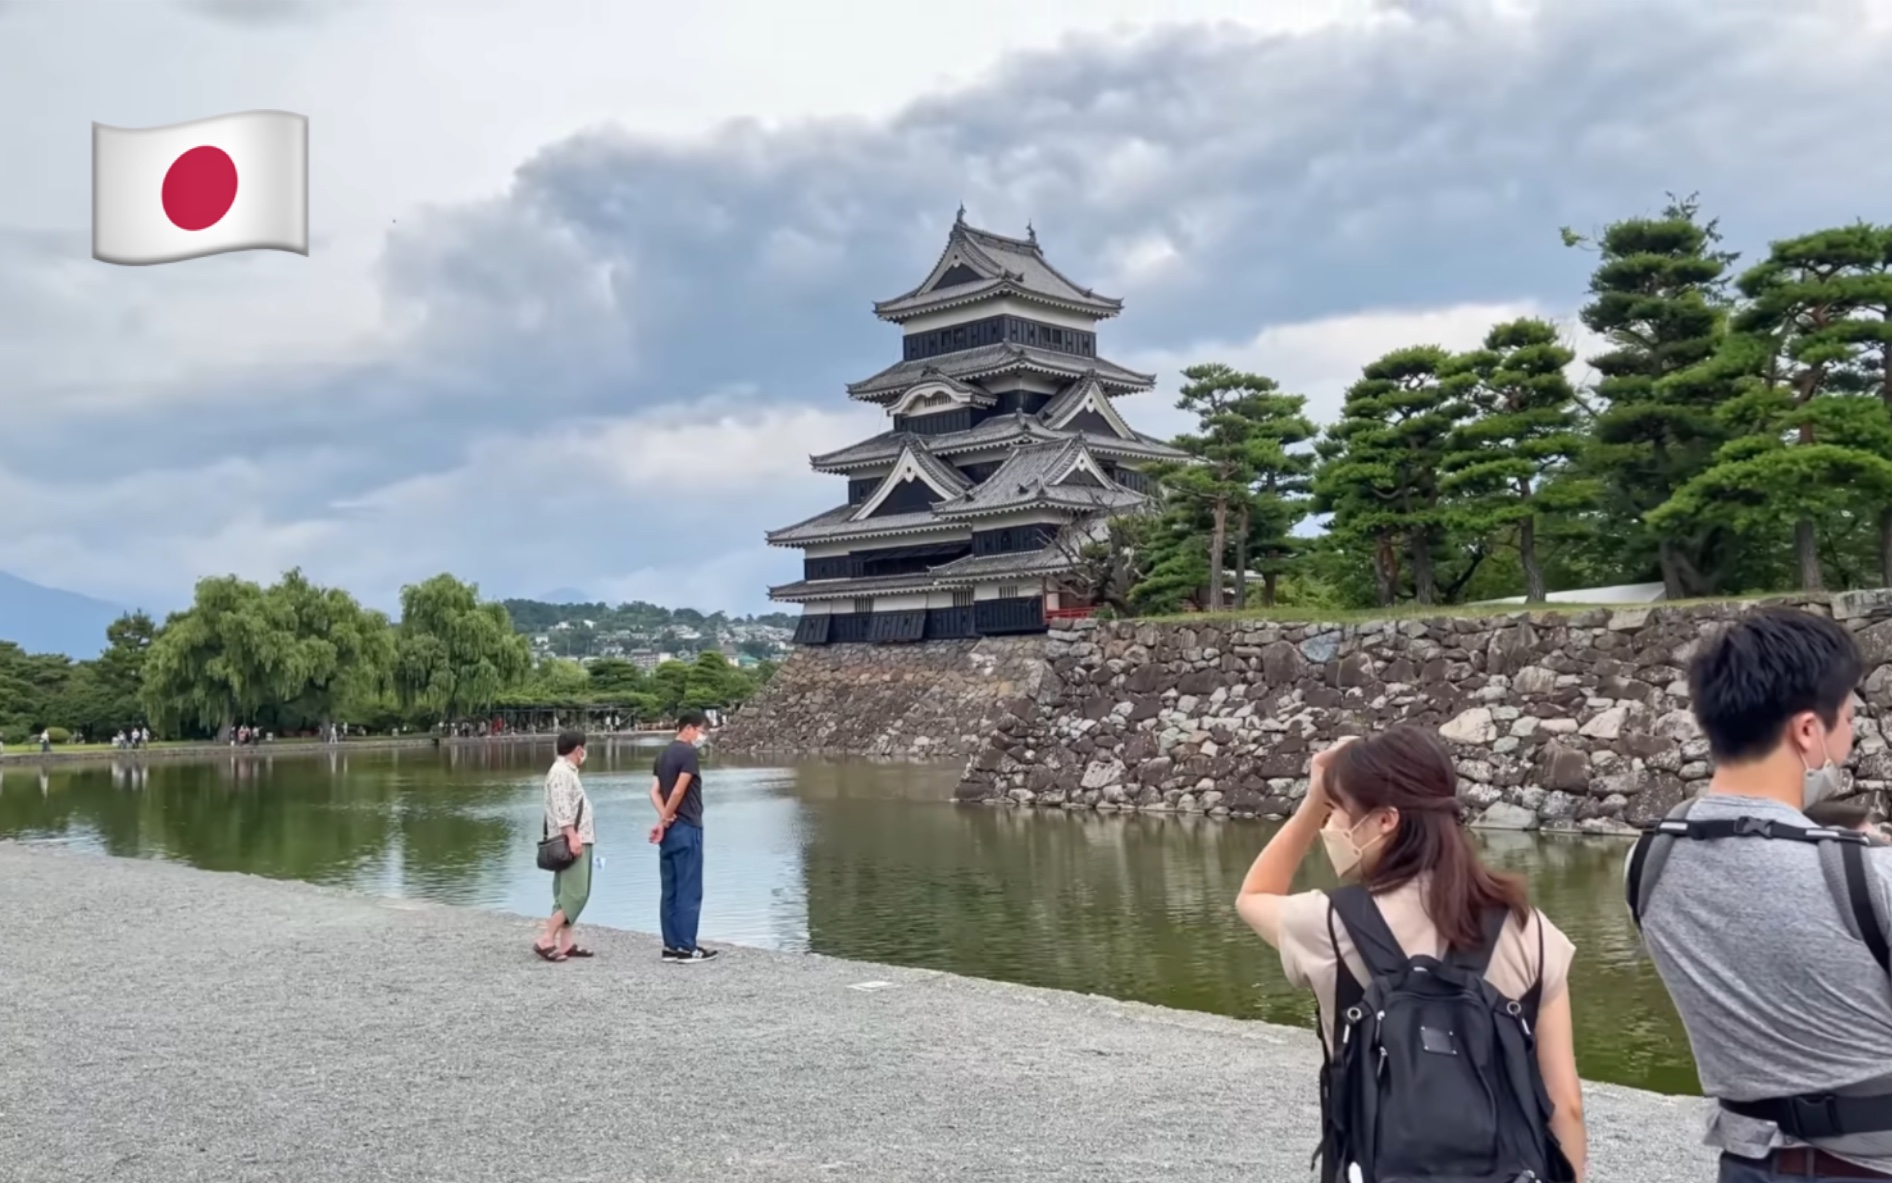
<point x="1068" y="613"/>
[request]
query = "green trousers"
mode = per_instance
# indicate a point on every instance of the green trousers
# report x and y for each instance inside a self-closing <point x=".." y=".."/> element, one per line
<point x="571" y="888"/>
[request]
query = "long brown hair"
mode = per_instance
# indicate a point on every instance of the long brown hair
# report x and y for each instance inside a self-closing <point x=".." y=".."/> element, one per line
<point x="1408" y="769"/>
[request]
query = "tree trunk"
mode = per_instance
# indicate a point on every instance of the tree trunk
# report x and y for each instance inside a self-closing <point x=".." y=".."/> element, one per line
<point x="1807" y="550"/>
<point x="1422" y="582"/>
<point x="1673" y="586"/>
<point x="1885" y="547"/>
<point x="1218" y="546"/>
<point x="1241" y="559"/>
<point x="1386" y="570"/>
<point x="1267" y="589"/>
<point x="1534" y="591"/>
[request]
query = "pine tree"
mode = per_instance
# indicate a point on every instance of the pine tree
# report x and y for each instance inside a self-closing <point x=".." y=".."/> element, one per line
<point x="1816" y="431"/>
<point x="1222" y="400"/>
<point x="1659" y="298"/>
<point x="1379" y="470"/>
<point x="1281" y="473"/>
<point x="1502" y="467"/>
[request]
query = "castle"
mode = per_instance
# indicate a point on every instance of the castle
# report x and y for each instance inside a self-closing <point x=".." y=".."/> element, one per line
<point x="1004" y="453"/>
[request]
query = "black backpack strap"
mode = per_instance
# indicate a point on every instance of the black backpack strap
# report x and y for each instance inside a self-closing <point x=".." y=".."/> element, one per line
<point x="1534" y="997"/>
<point x="1651" y="855"/>
<point x="1375" y="943"/>
<point x="1477" y="961"/>
<point x="1349" y="991"/>
<point x="1859" y="897"/>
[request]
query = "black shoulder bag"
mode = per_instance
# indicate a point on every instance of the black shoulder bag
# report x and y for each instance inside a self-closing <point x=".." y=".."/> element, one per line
<point x="556" y="854"/>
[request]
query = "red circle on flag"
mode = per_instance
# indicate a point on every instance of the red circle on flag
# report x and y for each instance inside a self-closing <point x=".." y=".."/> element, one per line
<point x="200" y="188"/>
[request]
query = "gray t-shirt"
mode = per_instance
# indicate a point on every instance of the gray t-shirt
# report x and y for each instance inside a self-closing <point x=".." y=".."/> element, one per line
<point x="1778" y="994"/>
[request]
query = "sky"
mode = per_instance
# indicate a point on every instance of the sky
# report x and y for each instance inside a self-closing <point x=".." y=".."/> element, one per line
<point x="587" y="280"/>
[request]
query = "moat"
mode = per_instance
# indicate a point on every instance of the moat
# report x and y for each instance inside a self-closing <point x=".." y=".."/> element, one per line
<point x="867" y="862"/>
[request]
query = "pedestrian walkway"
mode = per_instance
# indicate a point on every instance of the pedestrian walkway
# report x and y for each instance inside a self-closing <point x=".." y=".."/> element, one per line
<point x="164" y="1024"/>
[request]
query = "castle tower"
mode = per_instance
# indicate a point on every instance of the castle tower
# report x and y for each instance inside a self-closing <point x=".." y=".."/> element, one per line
<point x="1003" y="450"/>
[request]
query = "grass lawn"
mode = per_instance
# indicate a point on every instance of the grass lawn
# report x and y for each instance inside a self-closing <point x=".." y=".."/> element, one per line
<point x="33" y="745"/>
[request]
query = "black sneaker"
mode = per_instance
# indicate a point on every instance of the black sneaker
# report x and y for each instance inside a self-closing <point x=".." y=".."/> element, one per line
<point x="674" y="954"/>
<point x="694" y="955"/>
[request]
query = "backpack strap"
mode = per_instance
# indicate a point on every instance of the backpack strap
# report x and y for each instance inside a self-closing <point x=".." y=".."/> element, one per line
<point x="1477" y="961"/>
<point x="1534" y="997"/>
<point x="1649" y="857"/>
<point x="1859" y="896"/>
<point x="1375" y="942"/>
<point x="1653" y="848"/>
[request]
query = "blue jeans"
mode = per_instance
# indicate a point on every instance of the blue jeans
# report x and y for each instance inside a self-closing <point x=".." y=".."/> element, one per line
<point x="681" y="865"/>
<point x="1747" y="1170"/>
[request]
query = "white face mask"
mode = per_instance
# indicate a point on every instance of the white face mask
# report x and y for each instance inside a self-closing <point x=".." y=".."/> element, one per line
<point x="698" y="740"/>
<point x="1825" y="782"/>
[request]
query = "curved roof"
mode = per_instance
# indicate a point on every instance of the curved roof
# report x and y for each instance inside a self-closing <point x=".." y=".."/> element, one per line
<point x="979" y="264"/>
<point x="989" y="361"/>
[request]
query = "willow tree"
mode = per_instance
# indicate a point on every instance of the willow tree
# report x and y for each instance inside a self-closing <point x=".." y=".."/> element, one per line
<point x="294" y="652"/>
<point x="454" y="653"/>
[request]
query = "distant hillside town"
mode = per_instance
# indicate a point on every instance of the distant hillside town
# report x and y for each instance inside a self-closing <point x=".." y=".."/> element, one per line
<point x="647" y="635"/>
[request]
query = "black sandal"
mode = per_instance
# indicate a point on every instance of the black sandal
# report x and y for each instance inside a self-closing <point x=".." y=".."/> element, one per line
<point x="575" y="951"/>
<point x="547" y="953"/>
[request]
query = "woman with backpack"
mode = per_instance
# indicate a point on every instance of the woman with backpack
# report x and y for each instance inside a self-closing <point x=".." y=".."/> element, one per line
<point x="1443" y="995"/>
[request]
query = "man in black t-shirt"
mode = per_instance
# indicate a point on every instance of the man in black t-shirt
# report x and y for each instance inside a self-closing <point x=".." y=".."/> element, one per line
<point x="676" y="791"/>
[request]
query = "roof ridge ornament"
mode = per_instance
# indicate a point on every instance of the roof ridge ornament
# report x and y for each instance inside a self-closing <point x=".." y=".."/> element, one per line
<point x="960" y="220"/>
<point x="1031" y="235"/>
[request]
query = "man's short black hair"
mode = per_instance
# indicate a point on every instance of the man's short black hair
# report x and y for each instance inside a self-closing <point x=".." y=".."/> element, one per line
<point x="692" y="718"/>
<point x="570" y="741"/>
<point x="1764" y="669"/>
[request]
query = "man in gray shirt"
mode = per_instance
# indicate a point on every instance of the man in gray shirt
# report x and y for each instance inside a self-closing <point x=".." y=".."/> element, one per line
<point x="1756" y="938"/>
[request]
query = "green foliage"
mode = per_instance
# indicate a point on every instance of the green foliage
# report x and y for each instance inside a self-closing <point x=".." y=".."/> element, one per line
<point x="1659" y="298"/>
<point x="1246" y="483"/>
<point x="295" y="656"/>
<point x="455" y="654"/>
<point x="284" y="658"/>
<point x="1506" y="466"/>
<point x="1808" y="352"/>
<point x="1380" y="467"/>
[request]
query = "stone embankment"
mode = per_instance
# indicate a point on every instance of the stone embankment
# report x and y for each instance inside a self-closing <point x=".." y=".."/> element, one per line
<point x="1573" y="720"/>
<point x="932" y="701"/>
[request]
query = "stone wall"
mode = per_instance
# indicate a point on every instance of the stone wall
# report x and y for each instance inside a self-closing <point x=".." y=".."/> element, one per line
<point x="932" y="701"/>
<point x="1559" y="720"/>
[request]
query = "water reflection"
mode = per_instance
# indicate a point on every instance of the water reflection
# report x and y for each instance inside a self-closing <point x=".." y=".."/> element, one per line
<point x="863" y="861"/>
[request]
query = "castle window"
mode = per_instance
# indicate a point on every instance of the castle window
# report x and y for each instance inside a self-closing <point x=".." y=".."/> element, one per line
<point x="863" y="605"/>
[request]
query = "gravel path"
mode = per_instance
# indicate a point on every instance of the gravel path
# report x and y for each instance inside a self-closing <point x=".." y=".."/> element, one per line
<point x="166" y="1024"/>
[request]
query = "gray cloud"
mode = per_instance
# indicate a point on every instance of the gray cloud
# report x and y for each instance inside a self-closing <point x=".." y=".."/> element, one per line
<point x="262" y="14"/>
<point x="1220" y="181"/>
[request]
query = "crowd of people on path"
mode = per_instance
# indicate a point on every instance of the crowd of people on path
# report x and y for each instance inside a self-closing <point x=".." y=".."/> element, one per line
<point x="1445" y="1019"/>
<point x="566" y="846"/>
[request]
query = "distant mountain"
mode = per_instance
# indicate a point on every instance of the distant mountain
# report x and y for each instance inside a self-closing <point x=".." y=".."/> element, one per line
<point x="48" y="620"/>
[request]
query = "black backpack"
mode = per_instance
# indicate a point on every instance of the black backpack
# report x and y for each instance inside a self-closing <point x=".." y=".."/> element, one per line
<point x="1433" y="1074"/>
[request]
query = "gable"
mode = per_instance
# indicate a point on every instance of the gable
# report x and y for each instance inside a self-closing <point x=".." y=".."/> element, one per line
<point x="1089" y="420"/>
<point x="916" y="483"/>
<point x="911" y="495"/>
<point x="1089" y="409"/>
<point x="955" y="275"/>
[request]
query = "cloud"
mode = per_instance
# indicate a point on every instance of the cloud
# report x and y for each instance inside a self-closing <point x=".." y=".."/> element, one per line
<point x="610" y="373"/>
<point x="262" y="14"/>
